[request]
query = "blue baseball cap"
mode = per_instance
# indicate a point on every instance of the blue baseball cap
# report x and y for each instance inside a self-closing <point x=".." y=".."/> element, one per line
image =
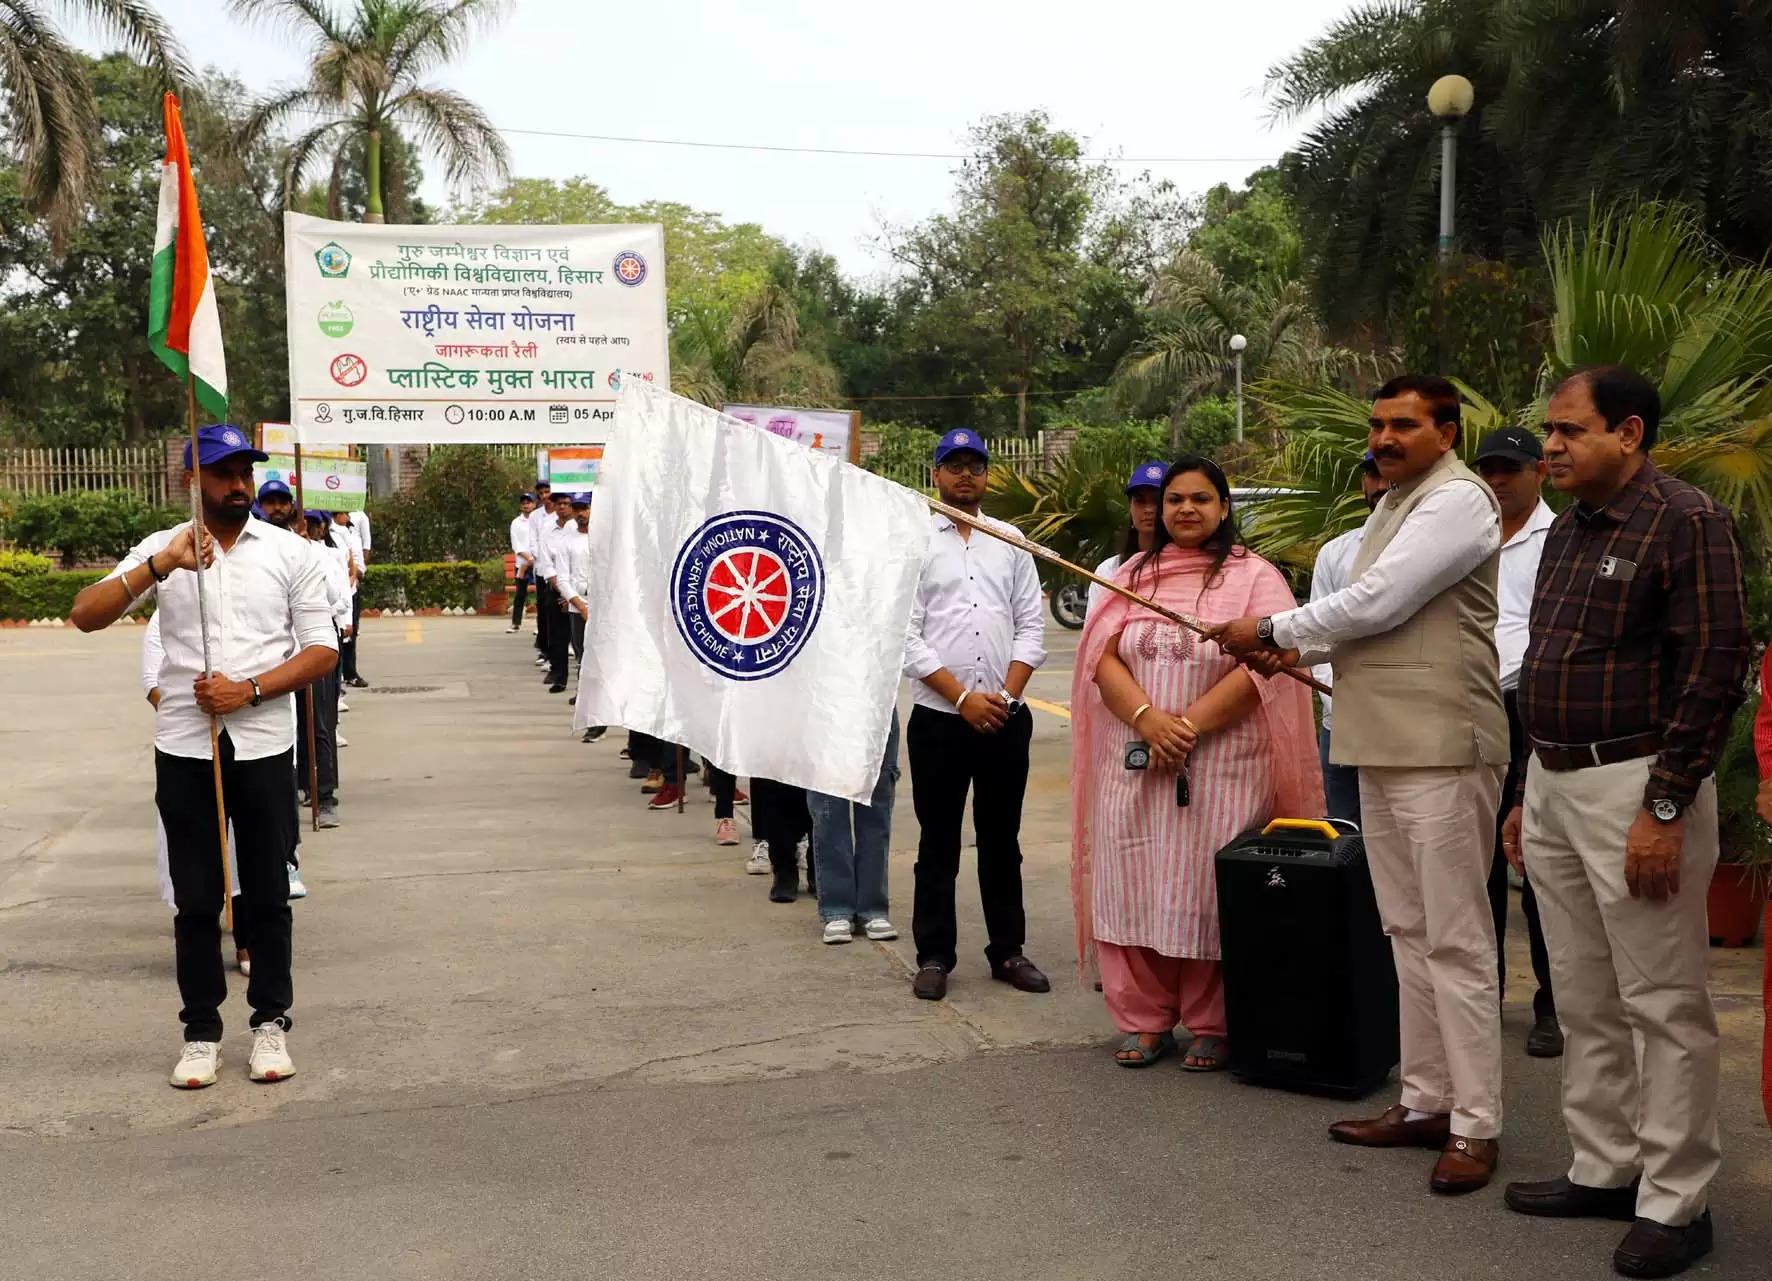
<point x="315" y="514"/>
<point x="961" y="438"/>
<point x="1147" y="476"/>
<point x="526" y="498"/>
<point x="219" y="441"/>
<point x="1369" y="464"/>
<point x="581" y="500"/>
<point x="274" y="489"/>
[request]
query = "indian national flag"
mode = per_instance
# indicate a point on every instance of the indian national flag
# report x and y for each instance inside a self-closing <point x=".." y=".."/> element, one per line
<point x="184" y="327"/>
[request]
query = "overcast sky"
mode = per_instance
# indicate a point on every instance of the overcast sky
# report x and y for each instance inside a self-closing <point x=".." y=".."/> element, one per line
<point x="1155" y="79"/>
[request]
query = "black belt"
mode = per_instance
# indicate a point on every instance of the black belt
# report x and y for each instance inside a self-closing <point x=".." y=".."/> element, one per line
<point x="1562" y="757"/>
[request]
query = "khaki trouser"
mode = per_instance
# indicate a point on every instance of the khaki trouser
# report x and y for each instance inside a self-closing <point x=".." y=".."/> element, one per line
<point x="1429" y="837"/>
<point x="1644" y="1102"/>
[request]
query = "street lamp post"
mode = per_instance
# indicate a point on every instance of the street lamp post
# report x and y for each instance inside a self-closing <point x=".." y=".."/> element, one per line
<point x="1450" y="100"/>
<point x="1238" y="343"/>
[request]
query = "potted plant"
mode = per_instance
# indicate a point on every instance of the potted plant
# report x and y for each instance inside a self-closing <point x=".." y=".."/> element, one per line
<point x="1737" y="897"/>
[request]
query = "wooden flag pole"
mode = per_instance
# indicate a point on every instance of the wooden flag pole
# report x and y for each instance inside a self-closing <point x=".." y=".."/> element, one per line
<point x="198" y="534"/>
<point x="301" y="514"/>
<point x="1053" y="558"/>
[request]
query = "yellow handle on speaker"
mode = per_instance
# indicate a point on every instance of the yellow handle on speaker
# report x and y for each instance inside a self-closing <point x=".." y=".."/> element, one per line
<point x="1320" y="827"/>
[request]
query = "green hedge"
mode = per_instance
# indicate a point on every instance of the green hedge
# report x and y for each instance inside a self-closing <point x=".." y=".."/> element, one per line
<point x="31" y="596"/>
<point x="458" y="585"/>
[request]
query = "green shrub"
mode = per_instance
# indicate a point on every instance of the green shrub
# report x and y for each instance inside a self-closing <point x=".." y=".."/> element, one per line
<point x="1208" y="425"/>
<point x="18" y="564"/>
<point x="86" y="524"/>
<point x="902" y="449"/>
<point x="454" y="584"/>
<point x="460" y="508"/>
<point x="1743" y="837"/>
<point x="1145" y="438"/>
<point x="33" y="595"/>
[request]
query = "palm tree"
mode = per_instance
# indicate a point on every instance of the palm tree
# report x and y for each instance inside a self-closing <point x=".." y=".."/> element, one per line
<point x="52" y="118"/>
<point x="364" y="84"/>
<point x="721" y="352"/>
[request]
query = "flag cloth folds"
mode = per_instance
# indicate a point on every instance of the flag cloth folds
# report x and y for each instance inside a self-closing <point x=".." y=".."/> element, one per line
<point x="749" y="597"/>
<point x="184" y="326"/>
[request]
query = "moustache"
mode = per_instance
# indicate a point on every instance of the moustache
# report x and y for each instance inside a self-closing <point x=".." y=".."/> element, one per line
<point x="1389" y="451"/>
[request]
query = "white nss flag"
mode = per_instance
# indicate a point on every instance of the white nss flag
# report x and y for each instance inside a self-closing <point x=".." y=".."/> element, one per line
<point x="749" y="596"/>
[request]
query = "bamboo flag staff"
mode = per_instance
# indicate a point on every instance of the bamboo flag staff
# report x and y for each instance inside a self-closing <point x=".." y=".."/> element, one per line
<point x="301" y="514"/>
<point x="1053" y="558"/>
<point x="184" y="331"/>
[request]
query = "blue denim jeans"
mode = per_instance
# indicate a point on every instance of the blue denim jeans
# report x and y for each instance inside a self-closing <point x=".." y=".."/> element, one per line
<point x="850" y="844"/>
<point x="1341" y="784"/>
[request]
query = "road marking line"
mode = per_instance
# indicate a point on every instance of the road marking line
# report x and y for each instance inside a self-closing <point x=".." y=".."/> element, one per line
<point x="415" y="632"/>
<point x="1054" y="709"/>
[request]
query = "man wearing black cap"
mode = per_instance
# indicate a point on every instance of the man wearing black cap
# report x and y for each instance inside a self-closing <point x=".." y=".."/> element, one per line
<point x="976" y="637"/>
<point x="269" y="634"/>
<point x="1512" y="461"/>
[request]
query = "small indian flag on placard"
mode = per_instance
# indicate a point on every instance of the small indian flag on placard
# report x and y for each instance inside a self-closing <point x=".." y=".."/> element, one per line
<point x="184" y="326"/>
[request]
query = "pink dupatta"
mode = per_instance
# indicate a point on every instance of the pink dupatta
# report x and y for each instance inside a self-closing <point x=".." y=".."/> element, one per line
<point x="1246" y="586"/>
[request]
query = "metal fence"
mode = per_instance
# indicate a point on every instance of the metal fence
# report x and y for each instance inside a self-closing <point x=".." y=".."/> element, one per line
<point x="141" y="469"/>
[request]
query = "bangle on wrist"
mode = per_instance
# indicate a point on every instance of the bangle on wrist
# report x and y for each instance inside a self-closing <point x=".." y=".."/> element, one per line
<point x="1192" y="728"/>
<point x="1142" y="709"/>
<point x="961" y="701"/>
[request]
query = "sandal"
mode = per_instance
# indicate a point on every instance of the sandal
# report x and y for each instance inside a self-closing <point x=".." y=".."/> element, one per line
<point x="1209" y="1048"/>
<point x="1147" y="1054"/>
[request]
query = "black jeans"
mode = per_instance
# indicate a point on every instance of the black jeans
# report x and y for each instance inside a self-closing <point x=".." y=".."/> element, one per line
<point x="779" y="816"/>
<point x="724" y="787"/>
<point x="517" y="599"/>
<point x="657" y="754"/>
<point x="260" y="797"/>
<point x="547" y="610"/>
<point x="347" y="649"/>
<point x="578" y="635"/>
<point x="947" y="757"/>
<point x="559" y="641"/>
<point x="1544" y="1003"/>
<point x="325" y="735"/>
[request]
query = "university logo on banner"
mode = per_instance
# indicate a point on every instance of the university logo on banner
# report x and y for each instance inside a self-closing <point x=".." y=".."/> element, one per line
<point x="746" y="591"/>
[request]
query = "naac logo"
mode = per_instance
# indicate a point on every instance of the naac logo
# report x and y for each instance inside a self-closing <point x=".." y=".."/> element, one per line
<point x="334" y="260"/>
<point x="746" y="591"/>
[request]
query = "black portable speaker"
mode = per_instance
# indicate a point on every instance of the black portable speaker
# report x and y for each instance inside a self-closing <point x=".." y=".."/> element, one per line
<point x="1310" y="988"/>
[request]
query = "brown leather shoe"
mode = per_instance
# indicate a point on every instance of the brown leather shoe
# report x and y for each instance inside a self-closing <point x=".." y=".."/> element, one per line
<point x="1019" y="973"/>
<point x="1465" y="1165"/>
<point x="931" y="983"/>
<point x="1392" y="1131"/>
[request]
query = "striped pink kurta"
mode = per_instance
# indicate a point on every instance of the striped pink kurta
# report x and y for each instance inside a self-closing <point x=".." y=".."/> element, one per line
<point x="1153" y="880"/>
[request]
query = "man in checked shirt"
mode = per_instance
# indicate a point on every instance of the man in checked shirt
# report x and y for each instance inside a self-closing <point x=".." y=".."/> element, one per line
<point x="1637" y="661"/>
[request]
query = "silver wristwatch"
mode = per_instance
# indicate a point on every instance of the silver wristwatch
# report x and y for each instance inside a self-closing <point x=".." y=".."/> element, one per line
<point x="1664" y="810"/>
<point x="1264" y="631"/>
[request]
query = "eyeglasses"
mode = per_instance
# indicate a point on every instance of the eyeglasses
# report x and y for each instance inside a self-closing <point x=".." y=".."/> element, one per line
<point x="977" y="467"/>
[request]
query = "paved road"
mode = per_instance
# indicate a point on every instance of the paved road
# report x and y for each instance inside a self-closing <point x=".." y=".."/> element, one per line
<point x="544" y="1033"/>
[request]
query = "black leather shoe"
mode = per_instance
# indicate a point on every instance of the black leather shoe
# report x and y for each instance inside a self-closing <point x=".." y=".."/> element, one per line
<point x="557" y="688"/>
<point x="931" y="983"/>
<point x="1652" y="1249"/>
<point x="786" y="886"/>
<point x="1545" y="1040"/>
<point x="639" y="769"/>
<point x="1019" y="973"/>
<point x="1560" y="1199"/>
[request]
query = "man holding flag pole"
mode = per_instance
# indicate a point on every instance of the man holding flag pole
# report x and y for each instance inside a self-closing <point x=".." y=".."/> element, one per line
<point x="238" y="641"/>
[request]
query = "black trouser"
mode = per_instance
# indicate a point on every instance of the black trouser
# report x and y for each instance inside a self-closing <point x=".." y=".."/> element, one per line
<point x="521" y="595"/>
<point x="260" y="797"/>
<point x="559" y="640"/>
<point x="325" y="735"/>
<point x="947" y="757"/>
<point x="578" y="635"/>
<point x="1544" y="1003"/>
<point x="657" y="753"/>
<point x="724" y="787"/>
<point x="347" y="649"/>
<point x="779" y="816"/>
<point x="547" y="611"/>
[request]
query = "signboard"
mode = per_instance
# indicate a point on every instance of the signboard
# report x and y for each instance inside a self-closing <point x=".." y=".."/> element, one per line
<point x="469" y="334"/>
<point x="279" y="438"/>
<point x="574" y="471"/>
<point x="832" y="431"/>
<point x="329" y="484"/>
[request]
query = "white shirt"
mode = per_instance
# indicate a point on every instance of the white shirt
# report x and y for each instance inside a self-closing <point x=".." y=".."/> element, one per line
<point x="573" y="557"/>
<point x="552" y="556"/>
<point x="334" y="563"/>
<point x="1513" y="591"/>
<point x="1098" y="593"/>
<point x="352" y="542"/>
<point x="977" y="611"/>
<point x="360" y="523"/>
<point x="1451" y="532"/>
<point x="266" y="598"/>
<point x="153" y="653"/>
<point x="1335" y="564"/>
<point x="540" y="521"/>
<point x="520" y="540"/>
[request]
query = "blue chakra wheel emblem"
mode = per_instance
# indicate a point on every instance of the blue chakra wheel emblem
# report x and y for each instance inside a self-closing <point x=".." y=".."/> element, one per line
<point x="746" y="591"/>
<point x="630" y="268"/>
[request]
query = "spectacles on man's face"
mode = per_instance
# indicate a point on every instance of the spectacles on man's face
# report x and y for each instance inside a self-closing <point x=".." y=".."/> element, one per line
<point x="975" y="467"/>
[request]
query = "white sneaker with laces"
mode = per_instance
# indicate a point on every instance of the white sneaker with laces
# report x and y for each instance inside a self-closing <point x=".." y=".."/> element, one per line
<point x="802" y="850"/>
<point x="196" y="1066"/>
<point x="296" y="888"/>
<point x="270" y="1054"/>
<point x="758" y="863"/>
<point x="880" y="929"/>
<point x="341" y="740"/>
<point x="839" y="932"/>
<point x="342" y="705"/>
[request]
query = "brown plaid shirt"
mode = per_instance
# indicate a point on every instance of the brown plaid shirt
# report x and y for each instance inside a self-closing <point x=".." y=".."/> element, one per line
<point x="1639" y="626"/>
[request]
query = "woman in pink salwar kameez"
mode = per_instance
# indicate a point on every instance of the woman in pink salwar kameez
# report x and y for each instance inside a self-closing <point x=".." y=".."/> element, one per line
<point x="1142" y="876"/>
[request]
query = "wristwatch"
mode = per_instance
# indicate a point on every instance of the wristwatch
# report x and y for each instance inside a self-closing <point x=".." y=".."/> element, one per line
<point x="1664" y="810"/>
<point x="257" y="696"/>
<point x="1264" y="631"/>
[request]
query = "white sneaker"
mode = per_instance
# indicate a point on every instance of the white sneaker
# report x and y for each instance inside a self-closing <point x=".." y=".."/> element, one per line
<point x="880" y="929"/>
<point x="342" y="705"/>
<point x="541" y="660"/>
<point x="839" y="932"/>
<point x="343" y="741"/>
<point x="296" y="888"/>
<point x="758" y="863"/>
<point x="270" y="1054"/>
<point x="196" y="1066"/>
<point x="802" y="850"/>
